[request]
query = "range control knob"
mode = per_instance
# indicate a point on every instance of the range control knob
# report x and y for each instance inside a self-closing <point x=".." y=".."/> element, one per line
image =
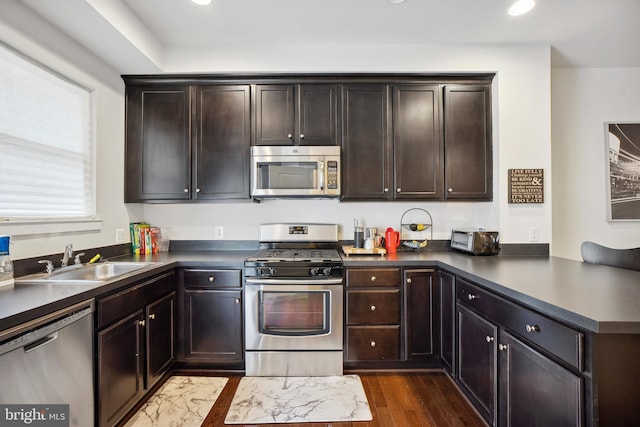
<point x="314" y="271"/>
<point x="272" y="271"/>
<point x="326" y="271"/>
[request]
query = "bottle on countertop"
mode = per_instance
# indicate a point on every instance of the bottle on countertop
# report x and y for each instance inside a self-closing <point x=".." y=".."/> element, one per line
<point x="6" y="266"/>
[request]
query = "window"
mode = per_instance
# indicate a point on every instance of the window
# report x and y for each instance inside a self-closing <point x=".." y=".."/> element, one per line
<point x="46" y="143"/>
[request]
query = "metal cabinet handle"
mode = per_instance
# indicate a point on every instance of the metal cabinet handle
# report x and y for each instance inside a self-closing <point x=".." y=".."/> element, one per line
<point x="372" y="344"/>
<point x="532" y="328"/>
<point x="373" y="278"/>
<point x="197" y="190"/>
<point x="302" y="136"/>
<point x="212" y="278"/>
<point x="373" y="308"/>
<point x="141" y="322"/>
<point x="398" y="190"/>
<point x="450" y="190"/>
<point x="386" y="190"/>
<point x="152" y="316"/>
<point x="489" y="339"/>
<point x="471" y="297"/>
<point x="502" y="347"/>
<point x="289" y="136"/>
<point x="237" y="300"/>
<point x="409" y="280"/>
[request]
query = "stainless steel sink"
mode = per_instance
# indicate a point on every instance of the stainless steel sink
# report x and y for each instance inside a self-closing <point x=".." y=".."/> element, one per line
<point x="85" y="274"/>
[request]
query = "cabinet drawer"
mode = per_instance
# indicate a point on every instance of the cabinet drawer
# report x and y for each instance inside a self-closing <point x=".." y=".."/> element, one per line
<point x="373" y="307"/>
<point x="195" y="279"/>
<point x="373" y="277"/>
<point x="550" y="335"/>
<point x="373" y="343"/>
<point x="118" y="305"/>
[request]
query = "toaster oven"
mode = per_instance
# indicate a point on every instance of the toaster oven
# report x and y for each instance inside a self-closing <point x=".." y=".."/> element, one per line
<point x="476" y="242"/>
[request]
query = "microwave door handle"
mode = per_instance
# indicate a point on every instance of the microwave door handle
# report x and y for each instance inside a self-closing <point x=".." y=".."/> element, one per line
<point x="322" y="172"/>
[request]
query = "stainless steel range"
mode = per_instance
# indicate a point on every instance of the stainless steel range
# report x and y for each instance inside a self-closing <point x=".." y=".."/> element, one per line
<point x="294" y="302"/>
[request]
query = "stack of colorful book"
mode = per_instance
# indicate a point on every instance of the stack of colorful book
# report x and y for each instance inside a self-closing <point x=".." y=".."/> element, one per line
<point x="144" y="238"/>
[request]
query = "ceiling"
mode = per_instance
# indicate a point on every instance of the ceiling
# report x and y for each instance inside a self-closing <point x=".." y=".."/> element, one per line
<point x="136" y="36"/>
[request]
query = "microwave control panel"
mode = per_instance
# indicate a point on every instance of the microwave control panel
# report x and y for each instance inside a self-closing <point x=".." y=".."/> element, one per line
<point x="332" y="175"/>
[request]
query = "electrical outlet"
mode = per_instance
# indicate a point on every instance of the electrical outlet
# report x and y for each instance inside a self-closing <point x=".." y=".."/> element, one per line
<point x="219" y="232"/>
<point x="119" y="235"/>
<point x="534" y="234"/>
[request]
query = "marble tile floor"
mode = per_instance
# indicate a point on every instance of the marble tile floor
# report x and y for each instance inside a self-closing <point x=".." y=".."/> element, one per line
<point x="269" y="400"/>
<point x="181" y="401"/>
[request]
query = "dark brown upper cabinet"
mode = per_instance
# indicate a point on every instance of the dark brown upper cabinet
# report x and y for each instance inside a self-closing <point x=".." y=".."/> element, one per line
<point x="187" y="142"/>
<point x="158" y="143"/>
<point x="467" y="142"/>
<point x="296" y="114"/>
<point x="392" y="150"/>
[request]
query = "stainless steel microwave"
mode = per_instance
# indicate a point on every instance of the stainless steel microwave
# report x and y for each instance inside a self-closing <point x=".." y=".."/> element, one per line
<point x="295" y="171"/>
<point x="476" y="242"/>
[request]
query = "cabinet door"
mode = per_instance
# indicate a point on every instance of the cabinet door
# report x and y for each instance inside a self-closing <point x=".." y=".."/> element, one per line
<point x="365" y="153"/>
<point x="417" y="142"/>
<point x="120" y="368"/>
<point x="213" y="326"/>
<point x="467" y="142"/>
<point x="420" y="294"/>
<point x="158" y="143"/>
<point x="535" y="391"/>
<point x="477" y="370"/>
<point x="318" y="115"/>
<point x="160" y="325"/>
<point x="446" y="289"/>
<point x="223" y="138"/>
<point x="274" y="115"/>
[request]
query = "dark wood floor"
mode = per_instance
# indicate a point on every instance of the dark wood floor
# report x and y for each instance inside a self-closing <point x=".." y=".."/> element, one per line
<point x="396" y="399"/>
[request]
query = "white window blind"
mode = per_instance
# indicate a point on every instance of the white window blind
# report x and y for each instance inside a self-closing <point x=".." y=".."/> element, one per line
<point x="45" y="143"/>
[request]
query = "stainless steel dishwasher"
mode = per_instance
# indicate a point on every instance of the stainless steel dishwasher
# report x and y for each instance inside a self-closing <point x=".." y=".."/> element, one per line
<point x="50" y="361"/>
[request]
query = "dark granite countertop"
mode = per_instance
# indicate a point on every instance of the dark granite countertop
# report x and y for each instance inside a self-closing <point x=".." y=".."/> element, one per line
<point x="594" y="298"/>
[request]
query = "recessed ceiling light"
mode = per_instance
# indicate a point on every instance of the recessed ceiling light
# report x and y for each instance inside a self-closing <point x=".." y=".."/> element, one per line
<point x="397" y="1"/>
<point x="521" y="7"/>
<point x="202" y="2"/>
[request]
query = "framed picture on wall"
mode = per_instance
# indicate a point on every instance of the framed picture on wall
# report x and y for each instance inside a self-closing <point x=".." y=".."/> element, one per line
<point x="623" y="171"/>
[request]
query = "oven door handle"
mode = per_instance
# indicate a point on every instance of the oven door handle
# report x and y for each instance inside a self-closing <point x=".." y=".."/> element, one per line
<point x="293" y="281"/>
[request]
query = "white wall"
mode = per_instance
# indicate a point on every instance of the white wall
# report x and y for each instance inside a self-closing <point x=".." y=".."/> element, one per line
<point x="521" y="129"/>
<point x="521" y="103"/>
<point x="583" y="100"/>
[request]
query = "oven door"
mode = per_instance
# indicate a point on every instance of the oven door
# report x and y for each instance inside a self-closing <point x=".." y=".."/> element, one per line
<point x="304" y="315"/>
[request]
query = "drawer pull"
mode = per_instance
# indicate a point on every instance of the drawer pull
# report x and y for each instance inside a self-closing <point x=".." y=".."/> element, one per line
<point x="490" y="339"/>
<point x="237" y="300"/>
<point x="532" y="328"/>
<point x="502" y="347"/>
<point x="471" y="297"/>
<point x="152" y="316"/>
<point x="373" y="344"/>
<point x="212" y="278"/>
<point x="373" y="278"/>
<point x="141" y="322"/>
<point x="409" y="280"/>
<point x="373" y="308"/>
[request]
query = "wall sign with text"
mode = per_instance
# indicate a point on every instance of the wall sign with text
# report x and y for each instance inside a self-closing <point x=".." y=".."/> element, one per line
<point x="526" y="186"/>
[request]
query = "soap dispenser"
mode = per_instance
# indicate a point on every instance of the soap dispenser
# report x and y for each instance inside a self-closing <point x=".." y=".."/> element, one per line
<point x="6" y="266"/>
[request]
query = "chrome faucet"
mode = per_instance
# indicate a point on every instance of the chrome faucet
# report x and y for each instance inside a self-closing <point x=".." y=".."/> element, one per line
<point x="68" y="254"/>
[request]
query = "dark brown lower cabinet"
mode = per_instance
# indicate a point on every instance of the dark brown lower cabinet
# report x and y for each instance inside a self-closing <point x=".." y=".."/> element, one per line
<point x="135" y="344"/>
<point x="213" y="322"/>
<point x="420" y="293"/>
<point x="447" y="293"/>
<point x="477" y="369"/>
<point x="210" y="331"/>
<point x="120" y="368"/>
<point x="535" y="391"/>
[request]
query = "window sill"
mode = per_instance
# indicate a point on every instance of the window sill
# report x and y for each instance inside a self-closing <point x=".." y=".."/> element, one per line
<point x="54" y="226"/>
